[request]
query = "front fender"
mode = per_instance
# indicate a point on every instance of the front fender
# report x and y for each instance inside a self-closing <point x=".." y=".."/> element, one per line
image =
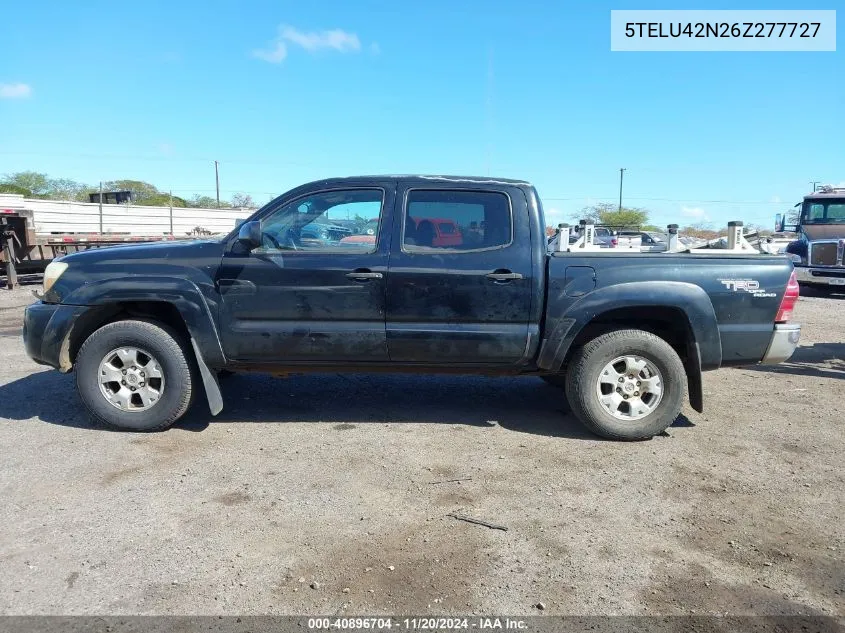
<point x="183" y="294"/>
<point x="690" y="299"/>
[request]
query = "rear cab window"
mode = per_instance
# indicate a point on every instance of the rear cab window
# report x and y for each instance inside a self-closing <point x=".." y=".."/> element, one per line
<point x="437" y="220"/>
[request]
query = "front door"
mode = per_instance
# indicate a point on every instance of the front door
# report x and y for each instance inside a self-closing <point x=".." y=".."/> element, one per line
<point x="315" y="288"/>
<point x="460" y="279"/>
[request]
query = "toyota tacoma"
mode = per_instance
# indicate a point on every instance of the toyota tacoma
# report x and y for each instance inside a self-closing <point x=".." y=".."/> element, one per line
<point x="626" y="335"/>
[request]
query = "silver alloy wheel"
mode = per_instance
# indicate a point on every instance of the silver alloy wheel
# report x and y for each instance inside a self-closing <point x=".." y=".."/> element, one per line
<point x="630" y="387"/>
<point x="131" y="379"/>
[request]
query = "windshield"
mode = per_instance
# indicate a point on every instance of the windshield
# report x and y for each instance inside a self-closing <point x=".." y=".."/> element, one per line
<point x="823" y="211"/>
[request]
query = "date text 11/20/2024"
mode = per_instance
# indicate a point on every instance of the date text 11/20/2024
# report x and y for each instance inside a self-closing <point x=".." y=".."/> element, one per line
<point x="416" y="624"/>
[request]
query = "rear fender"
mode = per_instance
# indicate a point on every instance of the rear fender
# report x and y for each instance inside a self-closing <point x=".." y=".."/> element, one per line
<point x="704" y="350"/>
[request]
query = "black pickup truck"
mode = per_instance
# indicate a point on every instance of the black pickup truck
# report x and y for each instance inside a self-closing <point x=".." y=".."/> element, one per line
<point x="455" y="278"/>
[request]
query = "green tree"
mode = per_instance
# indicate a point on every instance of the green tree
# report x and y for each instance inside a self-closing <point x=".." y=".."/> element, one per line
<point x="35" y="183"/>
<point x="206" y="202"/>
<point x="66" y="189"/>
<point x="10" y="188"/>
<point x="609" y="213"/>
<point x="164" y="200"/>
<point x="142" y="191"/>
<point x="701" y="230"/>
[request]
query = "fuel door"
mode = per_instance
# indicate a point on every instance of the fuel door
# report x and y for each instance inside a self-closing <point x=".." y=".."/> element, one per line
<point x="579" y="280"/>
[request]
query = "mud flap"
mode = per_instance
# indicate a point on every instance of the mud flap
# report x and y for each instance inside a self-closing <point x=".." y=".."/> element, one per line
<point x="209" y="381"/>
<point x="694" y="382"/>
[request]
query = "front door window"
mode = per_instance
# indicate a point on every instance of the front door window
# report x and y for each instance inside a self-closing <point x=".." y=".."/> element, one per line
<point x="339" y="220"/>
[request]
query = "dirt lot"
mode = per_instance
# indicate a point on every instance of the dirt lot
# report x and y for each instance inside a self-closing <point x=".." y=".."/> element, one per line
<point x="330" y="480"/>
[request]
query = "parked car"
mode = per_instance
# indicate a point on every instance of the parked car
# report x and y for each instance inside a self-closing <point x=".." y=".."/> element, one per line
<point x="433" y="232"/>
<point x="650" y="241"/>
<point x="324" y="232"/>
<point x="603" y="237"/>
<point x="366" y="236"/>
<point x="627" y="335"/>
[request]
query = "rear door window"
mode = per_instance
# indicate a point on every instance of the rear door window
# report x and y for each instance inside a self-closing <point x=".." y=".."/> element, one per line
<point x="456" y="220"/>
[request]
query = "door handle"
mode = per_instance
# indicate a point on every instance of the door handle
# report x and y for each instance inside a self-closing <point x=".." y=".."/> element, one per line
<point x="363" y="274"/>
<point x="503" y="275"/>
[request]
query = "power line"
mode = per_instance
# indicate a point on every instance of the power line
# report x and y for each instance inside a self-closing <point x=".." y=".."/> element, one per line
<point x="688" y="200"/>
<point x="143" y="157"/>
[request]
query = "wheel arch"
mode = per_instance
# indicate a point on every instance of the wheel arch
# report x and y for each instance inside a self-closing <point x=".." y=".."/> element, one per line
<point x="669" y="323"/>
<point x="98" y="316"/>
<point x="680" y="313"/>
<point x="178" y="303"/>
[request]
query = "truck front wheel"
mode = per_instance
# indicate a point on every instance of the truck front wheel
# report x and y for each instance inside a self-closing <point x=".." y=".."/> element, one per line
<point x="135" y="375"/>
<point x="626" y="385"/>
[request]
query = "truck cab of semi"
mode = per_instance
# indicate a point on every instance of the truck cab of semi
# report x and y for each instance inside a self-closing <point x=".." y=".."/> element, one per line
<point x="819" y="252"/>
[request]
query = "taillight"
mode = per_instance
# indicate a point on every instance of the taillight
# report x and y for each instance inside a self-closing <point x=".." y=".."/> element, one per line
<point x="790" y="298"/>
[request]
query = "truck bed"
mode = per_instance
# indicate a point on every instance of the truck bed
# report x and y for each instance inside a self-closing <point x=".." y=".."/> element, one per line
<point x="729" y="301"/>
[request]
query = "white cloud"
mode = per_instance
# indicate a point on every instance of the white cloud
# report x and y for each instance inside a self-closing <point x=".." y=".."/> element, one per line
<point x="15" y="91"/>
<point x="275" y="55"/>
<point x="312" y="42"/>
<point x="775" y="200"/>
<point x="165" y="148"/>
<point x="695" y="213"/>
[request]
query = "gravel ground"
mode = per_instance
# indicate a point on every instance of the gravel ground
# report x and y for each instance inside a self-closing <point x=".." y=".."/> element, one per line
<point x="327" y="494"/>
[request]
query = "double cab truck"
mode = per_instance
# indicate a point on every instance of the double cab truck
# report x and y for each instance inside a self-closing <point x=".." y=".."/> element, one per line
<point x="819" y="251"/>
<point x="626" y="335"/>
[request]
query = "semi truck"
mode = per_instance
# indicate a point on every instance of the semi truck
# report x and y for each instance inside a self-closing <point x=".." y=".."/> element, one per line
<point x="819" y="252"/>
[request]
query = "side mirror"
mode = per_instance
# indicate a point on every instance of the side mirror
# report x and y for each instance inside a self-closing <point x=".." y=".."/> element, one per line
<point x="250" y="234"/>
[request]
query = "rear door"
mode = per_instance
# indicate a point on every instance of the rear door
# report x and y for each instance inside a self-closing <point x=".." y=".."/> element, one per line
<point x="460" y="275"/>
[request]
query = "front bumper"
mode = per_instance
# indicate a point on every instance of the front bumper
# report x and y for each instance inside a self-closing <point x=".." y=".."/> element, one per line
<point x="821" y="276"/>
<point x="46" y="332"/>
<point x="784" y="341"/>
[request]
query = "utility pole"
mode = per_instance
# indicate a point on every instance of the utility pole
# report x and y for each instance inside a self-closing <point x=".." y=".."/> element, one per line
<point x="171" y="213"/>
<point x="621" y="173"/>
<point x="101" y="207"/>
<point x="488" y="103"/>
<point x="217" y="182"/>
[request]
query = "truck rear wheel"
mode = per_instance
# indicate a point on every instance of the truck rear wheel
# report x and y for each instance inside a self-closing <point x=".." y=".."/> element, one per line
<point x="626" y="385"/>
<point x="135" y="375"/>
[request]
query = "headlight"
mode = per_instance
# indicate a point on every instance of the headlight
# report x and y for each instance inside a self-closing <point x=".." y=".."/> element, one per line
<point x="52" y="273"/>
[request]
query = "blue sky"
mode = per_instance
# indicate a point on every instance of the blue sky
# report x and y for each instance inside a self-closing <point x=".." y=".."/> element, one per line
<point x="285" y="92"/>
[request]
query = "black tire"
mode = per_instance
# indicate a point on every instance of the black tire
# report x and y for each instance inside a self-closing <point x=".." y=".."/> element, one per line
<point x="587" y="364"/>
<point x="172" y="354"/>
